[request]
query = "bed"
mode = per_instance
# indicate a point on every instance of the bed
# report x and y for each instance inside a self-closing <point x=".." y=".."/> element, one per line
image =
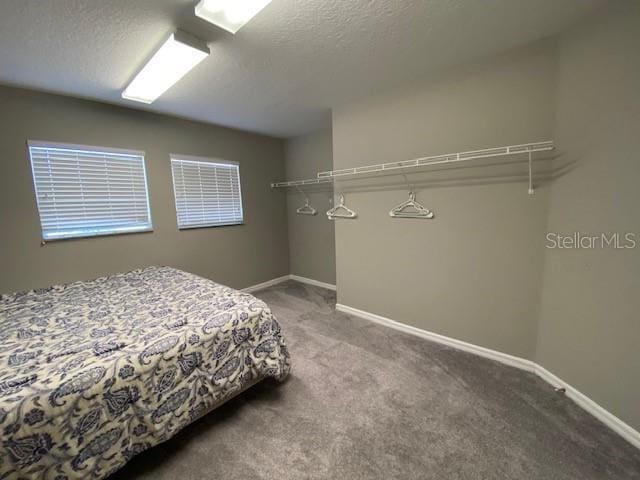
<point x="93" y="373"/>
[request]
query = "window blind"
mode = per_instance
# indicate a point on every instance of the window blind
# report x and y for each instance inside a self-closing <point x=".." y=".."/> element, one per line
<point x="89" y="191"/>
<point x="207" y="192"/>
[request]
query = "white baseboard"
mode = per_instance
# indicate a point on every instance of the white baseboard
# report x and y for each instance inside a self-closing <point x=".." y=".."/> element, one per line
<point x="310" y="281"/>
<point x="606" y="417"/>
<point x="609" y="419"/>
<point x="266" y="284"/>
<point x="517" y="362"/>
<point x="284" y="278"/>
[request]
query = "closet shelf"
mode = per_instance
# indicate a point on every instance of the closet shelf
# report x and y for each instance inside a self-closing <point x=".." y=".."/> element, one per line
<point x="331" y="175"/>
<point x="298" y="183"/>
<point x="441" y="159"/>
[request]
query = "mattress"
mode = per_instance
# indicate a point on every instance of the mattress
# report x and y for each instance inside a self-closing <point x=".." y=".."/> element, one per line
<point x="93" y="373"/>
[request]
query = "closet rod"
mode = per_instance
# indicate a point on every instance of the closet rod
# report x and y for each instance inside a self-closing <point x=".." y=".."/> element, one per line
<point x="298" y="183"/>
<point x="331" y="175"/>
<point x="440" y="159"/>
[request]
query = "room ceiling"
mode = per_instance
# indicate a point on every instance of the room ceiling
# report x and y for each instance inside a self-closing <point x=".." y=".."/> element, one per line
<point x="284" y="71"/>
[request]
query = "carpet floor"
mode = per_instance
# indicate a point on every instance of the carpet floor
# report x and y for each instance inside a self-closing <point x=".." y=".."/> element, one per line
<point x="367" y="402"/>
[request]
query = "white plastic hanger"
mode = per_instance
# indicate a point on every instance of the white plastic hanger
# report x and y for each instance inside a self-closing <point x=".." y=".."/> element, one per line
<point x="410" y="209"/>
<point x="341" y="211"/>
<point x="306" y="209"/>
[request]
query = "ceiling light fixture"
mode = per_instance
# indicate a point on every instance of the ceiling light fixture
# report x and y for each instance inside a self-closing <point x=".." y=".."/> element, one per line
<point x="173" y="60"/>
<point x="231" y="15"/>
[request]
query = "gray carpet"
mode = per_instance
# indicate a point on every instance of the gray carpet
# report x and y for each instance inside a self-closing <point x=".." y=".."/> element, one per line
<point x="367" y="402"/>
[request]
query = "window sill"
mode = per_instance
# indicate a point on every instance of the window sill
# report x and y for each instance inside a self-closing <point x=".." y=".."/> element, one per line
<point x="197" y="227"/>
<point x="94" y="235"/>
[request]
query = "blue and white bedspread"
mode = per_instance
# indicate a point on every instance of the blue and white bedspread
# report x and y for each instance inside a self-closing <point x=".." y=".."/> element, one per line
<point x="93" y="373"/>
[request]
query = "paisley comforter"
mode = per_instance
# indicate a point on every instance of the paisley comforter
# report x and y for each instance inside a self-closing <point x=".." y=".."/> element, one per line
<point x="93" y="373"/>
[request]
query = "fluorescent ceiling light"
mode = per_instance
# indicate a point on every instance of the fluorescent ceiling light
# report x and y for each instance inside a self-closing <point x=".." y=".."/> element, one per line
<point x="173" y="60"/>
<point x="231" y="15"/>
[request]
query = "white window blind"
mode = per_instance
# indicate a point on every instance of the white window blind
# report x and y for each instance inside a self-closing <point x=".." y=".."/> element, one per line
<point x="207" y="192"/>
<point x="88" y="191"/>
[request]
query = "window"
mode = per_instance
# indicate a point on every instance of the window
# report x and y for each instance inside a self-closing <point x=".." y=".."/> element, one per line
<point x="89" y="191"/>
<point x="207" y="192"/>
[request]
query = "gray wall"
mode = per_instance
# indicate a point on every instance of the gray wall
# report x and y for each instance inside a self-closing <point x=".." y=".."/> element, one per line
<point x="474" y="272"/>
<point x="589" y="331"/>
<point x="480" y="271"/>
<point x="311" y="238"/>
<point x="237" y="256"/>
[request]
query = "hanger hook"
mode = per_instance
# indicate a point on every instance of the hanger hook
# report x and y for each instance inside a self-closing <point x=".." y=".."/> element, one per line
<point x="406" y="181"/>
<point x="306" y="198"/>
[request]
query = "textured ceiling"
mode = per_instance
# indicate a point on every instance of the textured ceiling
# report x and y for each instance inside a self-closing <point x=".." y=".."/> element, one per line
<point x="282" y="73"/>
